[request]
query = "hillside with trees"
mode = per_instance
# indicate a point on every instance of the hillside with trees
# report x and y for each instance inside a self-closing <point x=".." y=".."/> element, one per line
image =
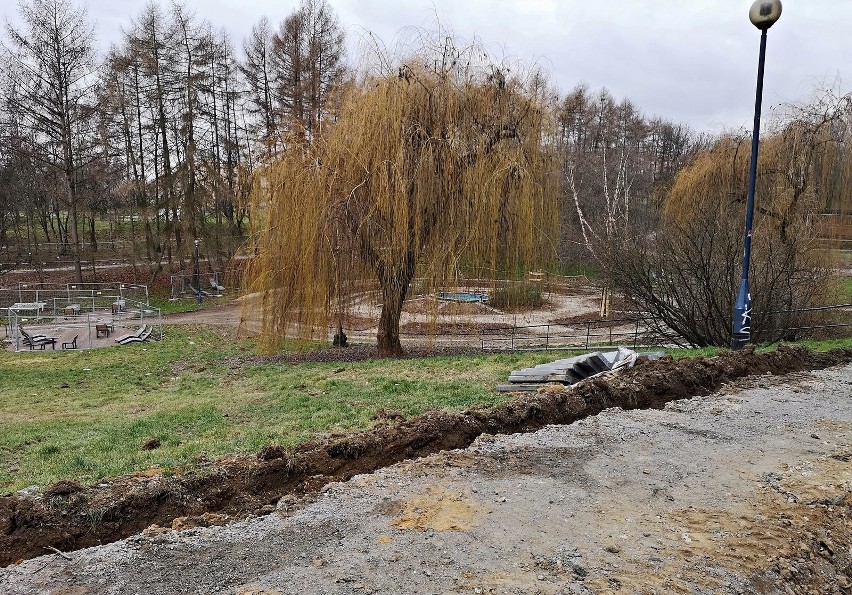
<point x="180" y="133"/>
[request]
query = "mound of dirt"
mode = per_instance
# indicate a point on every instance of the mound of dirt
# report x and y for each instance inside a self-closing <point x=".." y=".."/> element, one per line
<point x="425" y="305"/>
<point x="75" y="518"/>
<point x="618" y="317"/>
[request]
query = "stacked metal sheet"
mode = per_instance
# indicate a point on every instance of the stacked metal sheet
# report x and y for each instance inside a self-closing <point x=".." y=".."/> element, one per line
<point x="572" y="370"/>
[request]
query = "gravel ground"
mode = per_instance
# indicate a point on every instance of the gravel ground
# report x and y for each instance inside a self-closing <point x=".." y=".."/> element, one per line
<point x="558" y="306"/>
<point x="744" y="491"/>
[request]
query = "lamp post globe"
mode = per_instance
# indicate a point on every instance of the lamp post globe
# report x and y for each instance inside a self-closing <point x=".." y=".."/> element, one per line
<point x="763" y="14"/>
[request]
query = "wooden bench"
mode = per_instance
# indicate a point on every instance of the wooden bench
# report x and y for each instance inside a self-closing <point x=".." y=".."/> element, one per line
<point x="103" y="329"/>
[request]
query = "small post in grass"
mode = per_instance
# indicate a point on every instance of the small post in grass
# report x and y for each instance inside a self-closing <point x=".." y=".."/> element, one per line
<point x="198" y="273"/>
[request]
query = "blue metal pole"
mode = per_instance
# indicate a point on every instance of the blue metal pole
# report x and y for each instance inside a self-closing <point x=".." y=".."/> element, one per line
<point x="741" y="334"/>
<point x="197" y="275"/>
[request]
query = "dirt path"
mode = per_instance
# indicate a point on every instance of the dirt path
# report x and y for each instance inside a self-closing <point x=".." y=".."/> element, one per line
<point x="366" y="312"/>
<point x="747" y="490"/>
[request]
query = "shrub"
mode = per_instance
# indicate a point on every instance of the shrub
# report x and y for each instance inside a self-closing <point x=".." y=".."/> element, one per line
<point x="517" y="296"/>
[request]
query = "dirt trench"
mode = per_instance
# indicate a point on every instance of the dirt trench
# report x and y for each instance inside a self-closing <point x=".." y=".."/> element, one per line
<point x="68" y="516"/>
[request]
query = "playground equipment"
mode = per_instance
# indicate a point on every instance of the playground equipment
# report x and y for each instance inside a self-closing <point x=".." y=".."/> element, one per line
<point x="183" y="285"/>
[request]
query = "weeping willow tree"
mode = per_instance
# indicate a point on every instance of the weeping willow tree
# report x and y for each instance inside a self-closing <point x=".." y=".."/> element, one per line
<point x="444" y="164"/>
<point x="686" y="273"/>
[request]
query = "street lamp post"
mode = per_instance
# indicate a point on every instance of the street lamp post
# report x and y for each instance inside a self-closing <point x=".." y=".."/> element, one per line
<point x="198" y="273"/>
<point x="763" y="14"/>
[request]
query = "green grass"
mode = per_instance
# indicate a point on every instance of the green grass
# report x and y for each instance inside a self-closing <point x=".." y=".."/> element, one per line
<point x="824" y="345"/>
<point x="84" y="415"/>
<point x="844" y="289"/>
<point x="581" y="270"/>
<point x="186" y="303"/>
<point x="179" y="306"/>
<point x="697" y="352"/>
<point x="183" y="392"/>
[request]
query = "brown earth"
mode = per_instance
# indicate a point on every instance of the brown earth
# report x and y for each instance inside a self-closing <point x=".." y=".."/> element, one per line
<point x="452" y="328"/>
<point x="70" y="517"/>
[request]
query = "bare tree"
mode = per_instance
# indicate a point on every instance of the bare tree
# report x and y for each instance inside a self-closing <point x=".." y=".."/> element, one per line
<point x="324" y="68"/>
<point x="53" y="66"/>
<point x="308" y="54"/>
<point x="192" y="55"/>
<point x="604" y="169"/>
<point x="259" y="75"/>
<point x="150" y="45"/>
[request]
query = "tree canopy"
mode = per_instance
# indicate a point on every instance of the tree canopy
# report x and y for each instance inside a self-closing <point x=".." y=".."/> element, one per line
<point x="444" y="164"/>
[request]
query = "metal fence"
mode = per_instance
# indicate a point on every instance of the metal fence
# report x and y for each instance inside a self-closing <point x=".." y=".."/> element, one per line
<point x="76" y="315"/>
<point x="830" y="320"/>
<point x="81" y="331"/>
<point x="57" y="297"/>
<point x="638" y="332"/>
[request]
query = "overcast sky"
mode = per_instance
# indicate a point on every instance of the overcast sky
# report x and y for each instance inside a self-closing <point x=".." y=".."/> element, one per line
<point x="690" y="61"/>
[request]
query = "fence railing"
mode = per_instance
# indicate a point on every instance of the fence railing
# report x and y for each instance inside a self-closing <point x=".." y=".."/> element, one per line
<point x="638" y="332"/>
<point x="56" y="297"/>
<point x="844" y="321"/>
<point x="84" y="329"/>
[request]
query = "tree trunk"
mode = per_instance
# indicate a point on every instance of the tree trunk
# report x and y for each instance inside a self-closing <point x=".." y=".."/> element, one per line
<point x="394" y="286"/>
<point x="75" y="238"/>
<point x="388" y="334"/>
<point x="606" y="302"/>
<point x="93" y="239"/>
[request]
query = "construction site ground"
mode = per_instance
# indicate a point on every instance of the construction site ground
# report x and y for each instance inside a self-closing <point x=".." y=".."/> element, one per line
<point x="744" y="488"/>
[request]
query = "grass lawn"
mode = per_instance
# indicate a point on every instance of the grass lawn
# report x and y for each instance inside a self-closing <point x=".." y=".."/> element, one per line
<point x="84" y="415"/>
<point x="186" y="303"/>
<point x="845" y="289"/>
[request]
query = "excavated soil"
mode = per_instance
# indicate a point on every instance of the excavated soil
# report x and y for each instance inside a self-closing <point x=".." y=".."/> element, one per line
<point x="69" y="516"/>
